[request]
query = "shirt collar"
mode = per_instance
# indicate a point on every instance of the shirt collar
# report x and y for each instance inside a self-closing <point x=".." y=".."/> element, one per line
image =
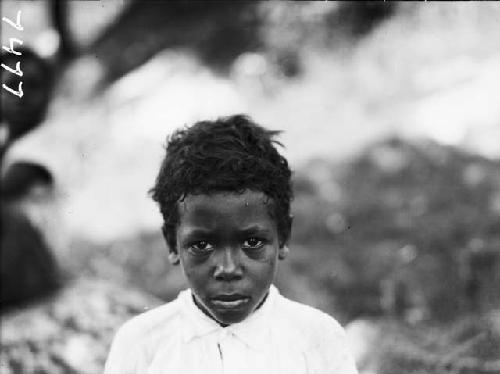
<point x="252" y="331"/>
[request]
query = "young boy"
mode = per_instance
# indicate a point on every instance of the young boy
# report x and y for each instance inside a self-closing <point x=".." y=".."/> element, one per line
<point x="224" y="192"/>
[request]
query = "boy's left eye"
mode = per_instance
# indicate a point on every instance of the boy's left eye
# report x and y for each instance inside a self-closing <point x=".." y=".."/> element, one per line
<point x="253" y="243"/>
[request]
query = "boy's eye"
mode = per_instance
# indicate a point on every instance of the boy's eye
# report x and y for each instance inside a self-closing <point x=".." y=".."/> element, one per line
<point x="253" y="243"/>
<point x="201" y="246"/>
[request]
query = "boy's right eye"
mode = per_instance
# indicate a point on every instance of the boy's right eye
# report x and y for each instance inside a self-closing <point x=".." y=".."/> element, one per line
<point x="200" y="247"/>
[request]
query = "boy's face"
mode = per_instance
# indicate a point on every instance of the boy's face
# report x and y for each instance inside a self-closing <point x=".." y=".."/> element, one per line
<point x="228" y="247"/>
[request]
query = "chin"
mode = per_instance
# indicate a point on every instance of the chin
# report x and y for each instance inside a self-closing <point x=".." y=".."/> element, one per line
<point x="230" y="318"/>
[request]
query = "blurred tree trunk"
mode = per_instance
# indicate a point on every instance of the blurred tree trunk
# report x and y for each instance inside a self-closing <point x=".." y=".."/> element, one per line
<point x="217" y="32"/>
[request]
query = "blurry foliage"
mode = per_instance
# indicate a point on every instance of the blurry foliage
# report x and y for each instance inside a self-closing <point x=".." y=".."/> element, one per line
<point x="218" y="33"/>
<point x="326" y="23"/>
<point x="402" y="210"/>
<point x="140" y="261"/>
<point x="288" y="28"/>
<point x="360" y="18"/>
<point x="470" y="345"/>
<point x="70" y="332"/>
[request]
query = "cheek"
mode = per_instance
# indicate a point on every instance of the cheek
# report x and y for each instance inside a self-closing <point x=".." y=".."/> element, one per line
<point x="270" y="256"/>
<point x="264" y="265"/>
<point x="195" y="270"/>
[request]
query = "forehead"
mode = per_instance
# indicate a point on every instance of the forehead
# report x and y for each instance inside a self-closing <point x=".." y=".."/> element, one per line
<point x="225" y="207"/>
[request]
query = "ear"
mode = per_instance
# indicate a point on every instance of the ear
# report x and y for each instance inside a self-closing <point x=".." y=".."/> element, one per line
<point x="173" y="257"/>
<point x="283" y="252"/>
<point x="173" y="253"/>
<point x="283" y="245"/>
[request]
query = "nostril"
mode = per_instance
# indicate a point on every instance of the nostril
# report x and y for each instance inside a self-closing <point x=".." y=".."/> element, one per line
<point x="20" y="177"/>
<point x="228" y="269"/>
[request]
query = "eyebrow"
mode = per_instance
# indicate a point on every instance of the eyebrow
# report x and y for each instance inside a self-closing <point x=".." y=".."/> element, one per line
<point x="196" y="232"/>
<point x="199" y="232"/>
<point x="255" y="230"/>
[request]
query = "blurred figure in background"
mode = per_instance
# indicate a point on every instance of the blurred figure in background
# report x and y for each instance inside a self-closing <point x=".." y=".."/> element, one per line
<point x="28" y="268"/>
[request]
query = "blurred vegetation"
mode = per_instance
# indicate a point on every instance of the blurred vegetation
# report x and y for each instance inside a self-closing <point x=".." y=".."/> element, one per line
<point x="70" y="332"/>
<point x="467" y="346"/>
<point x="403" y="210"/>
<point x="217" y="34"/>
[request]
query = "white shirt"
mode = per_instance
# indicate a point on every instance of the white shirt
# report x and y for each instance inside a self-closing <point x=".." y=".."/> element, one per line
<point x="282" y="336"/>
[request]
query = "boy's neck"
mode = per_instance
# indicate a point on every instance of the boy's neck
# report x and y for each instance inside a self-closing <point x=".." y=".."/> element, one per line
<point x="203" y="309"/>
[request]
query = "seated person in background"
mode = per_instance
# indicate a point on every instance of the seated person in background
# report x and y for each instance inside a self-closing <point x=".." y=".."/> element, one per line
<point x="224" y="192"/>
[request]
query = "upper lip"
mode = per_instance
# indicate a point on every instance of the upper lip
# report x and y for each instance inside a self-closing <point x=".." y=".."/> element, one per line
<point x="230" y="297"/>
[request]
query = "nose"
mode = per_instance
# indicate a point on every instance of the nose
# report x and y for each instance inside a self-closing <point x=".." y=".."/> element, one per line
<point x="228" y="266"/>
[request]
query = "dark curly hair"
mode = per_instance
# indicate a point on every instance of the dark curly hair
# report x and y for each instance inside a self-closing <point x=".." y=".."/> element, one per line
<point x="229" y="154"/>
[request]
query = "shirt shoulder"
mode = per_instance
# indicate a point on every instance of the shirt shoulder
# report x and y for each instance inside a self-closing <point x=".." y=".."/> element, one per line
<point x="145" y="325"/>
<point x="308" y="321"/>
<point x="318" y="334"/>
<point x="138" y="335"/>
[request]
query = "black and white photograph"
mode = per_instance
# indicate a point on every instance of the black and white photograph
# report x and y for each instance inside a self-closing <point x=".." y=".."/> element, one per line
<point x="232" y="187"/>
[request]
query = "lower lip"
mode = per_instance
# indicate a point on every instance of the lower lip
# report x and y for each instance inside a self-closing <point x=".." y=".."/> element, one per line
<point x="230" y="304"/>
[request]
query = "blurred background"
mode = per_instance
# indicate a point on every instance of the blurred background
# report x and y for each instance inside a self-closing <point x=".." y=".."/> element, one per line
<point x="391" y="124"/>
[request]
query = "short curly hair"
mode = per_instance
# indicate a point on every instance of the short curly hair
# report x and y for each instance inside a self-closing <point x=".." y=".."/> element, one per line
<point x="229" y="154"/>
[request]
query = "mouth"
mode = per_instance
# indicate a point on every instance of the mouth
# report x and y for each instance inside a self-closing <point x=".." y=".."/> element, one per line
<point x="230" y="300"/>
